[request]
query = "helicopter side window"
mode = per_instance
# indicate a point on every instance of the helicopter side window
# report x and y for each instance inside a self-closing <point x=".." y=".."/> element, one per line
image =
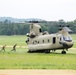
<point x="40" y="30"/>
<point x="33" y="42"/>
<point x="48" y="40"/>
<point x="43" y="41"/>
<point x="54" y="40"/>
<point x="60" y="38"/>
<point x="38" y="41"/>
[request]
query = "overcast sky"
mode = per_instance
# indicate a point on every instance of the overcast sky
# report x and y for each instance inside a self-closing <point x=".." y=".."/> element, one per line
<point x="51" y="10"/>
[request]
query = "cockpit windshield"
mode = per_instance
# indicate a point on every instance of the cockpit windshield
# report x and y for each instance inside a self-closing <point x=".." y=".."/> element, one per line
<point x="67" y="38"/>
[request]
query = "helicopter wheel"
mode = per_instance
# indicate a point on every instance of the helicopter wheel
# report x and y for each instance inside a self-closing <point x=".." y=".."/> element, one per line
<point x="63" y="52"/>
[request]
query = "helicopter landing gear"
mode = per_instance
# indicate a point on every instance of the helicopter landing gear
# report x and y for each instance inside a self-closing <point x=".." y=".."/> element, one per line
<point x="47" y="51"/>
<point x="63" y="52"/>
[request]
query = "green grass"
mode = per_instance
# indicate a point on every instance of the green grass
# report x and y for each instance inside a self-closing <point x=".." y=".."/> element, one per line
<point x="74" y="39"/>
<point x="11" y="40"/>
<point x="23" y="60"/>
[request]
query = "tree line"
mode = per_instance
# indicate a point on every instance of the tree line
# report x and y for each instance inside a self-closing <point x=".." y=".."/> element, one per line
<point x="8" y="28"/>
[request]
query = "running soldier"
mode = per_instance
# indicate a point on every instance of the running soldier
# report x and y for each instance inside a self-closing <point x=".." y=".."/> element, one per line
<point x="14" y="48"/>
<point x="3" y="48"/>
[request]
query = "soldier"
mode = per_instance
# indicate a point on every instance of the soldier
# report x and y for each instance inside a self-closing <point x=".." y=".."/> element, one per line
<point x="3" y="48"/>
<point x="14" y="48"/>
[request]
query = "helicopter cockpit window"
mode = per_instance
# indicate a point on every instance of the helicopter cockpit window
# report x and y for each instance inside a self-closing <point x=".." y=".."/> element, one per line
<point x="66" y="38"/>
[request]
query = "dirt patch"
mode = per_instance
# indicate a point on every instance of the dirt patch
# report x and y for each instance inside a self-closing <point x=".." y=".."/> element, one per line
<point x="37" y="72"/>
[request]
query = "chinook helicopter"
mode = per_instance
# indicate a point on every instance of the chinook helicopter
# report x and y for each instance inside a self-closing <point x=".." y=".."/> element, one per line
<point x="39" y="41"/>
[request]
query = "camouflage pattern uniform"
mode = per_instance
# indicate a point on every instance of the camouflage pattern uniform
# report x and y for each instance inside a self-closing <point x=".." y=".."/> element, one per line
<point x="14" y="48"/>
<point x="3" y="48"/>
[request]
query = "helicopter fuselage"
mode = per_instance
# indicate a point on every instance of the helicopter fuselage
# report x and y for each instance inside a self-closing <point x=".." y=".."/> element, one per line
<point x="38" y="41"/>
<point x="49" y="42"/>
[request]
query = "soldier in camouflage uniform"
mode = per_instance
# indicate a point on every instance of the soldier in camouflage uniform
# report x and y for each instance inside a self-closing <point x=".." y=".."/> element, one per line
<point x="14" y="48"/>
<point x="3" y="48"/>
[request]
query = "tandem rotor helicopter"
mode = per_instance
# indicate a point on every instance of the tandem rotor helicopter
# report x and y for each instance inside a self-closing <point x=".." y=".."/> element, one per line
<point x="39" y="41"/>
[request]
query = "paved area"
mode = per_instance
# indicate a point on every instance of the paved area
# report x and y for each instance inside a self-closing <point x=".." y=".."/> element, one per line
<point x="37" y="72"/>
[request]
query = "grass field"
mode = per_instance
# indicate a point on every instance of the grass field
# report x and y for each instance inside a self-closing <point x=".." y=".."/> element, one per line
<point x="23" y="60"/>
<point x="74" y="39"/>
<point x="11" y="40"/>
